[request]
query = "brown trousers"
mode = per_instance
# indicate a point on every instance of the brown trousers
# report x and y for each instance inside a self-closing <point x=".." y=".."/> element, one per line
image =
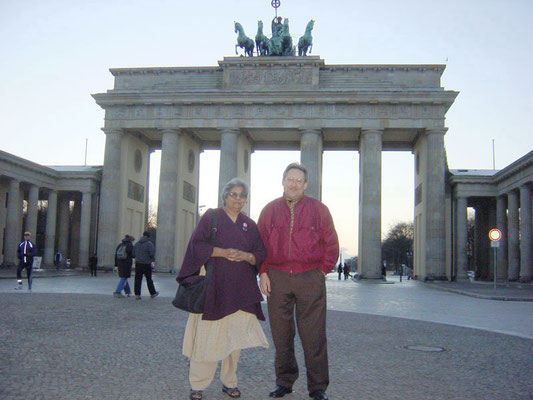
<point x="305" y="292"/>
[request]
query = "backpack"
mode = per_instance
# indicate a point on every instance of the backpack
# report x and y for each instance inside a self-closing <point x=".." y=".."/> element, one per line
<point x="122" y="253"/>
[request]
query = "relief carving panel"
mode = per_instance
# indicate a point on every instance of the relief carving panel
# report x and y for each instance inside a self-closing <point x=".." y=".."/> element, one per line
<point x="272" y="77"/>
<point x="276" y="111"/>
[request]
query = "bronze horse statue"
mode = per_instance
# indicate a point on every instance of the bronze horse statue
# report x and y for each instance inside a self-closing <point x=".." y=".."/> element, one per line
<point x="261" y="41"/>
<point x="243" y="41"/>
<point x="305" y="43"/>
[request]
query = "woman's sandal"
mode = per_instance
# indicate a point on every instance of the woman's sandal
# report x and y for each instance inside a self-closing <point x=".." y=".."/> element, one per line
<point x="196" y="394"/>
<point x="231" y="392"/>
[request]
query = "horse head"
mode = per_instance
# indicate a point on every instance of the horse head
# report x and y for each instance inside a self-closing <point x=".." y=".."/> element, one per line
<point x="310" y="26"/>
<point x="238" y="27"/>
<point x="260" y="26"/>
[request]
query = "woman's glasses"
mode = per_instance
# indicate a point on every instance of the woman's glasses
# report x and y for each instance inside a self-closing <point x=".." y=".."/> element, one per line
<point x="237" y="196"/>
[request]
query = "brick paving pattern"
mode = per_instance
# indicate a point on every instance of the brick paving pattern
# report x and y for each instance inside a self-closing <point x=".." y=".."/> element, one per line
<point x="90" y="346"/>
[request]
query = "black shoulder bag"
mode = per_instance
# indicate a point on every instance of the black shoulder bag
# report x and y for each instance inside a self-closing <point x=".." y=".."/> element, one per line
<point x="190" y="297"/>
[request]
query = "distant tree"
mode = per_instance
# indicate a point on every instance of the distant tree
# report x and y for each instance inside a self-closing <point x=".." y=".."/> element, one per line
<point x="152" y="223"/>
<point x="398" y="243"/>
<point x="152" y="218"/>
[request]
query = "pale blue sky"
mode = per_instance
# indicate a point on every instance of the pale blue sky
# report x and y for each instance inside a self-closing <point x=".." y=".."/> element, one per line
<point x="56" y="53"/>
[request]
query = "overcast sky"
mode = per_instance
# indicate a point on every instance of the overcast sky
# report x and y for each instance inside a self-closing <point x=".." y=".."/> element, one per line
<point x="56" y="53"/>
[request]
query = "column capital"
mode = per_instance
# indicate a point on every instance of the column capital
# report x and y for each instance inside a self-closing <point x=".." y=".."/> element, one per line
<point x="436" y="131"/>
<point x="112" y="131"/>
<point x="365" y="131"/>
<point x="311" y="131"/>
<point x="235" y="131"/>
<point x="176" y="131"/>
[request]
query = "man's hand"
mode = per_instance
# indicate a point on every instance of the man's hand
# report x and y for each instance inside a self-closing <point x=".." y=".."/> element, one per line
<point x="264" y="284"/>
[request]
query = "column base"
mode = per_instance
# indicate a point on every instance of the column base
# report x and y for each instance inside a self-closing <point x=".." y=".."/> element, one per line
<point x="431" y="278"/>
<point x="367" y="278"/>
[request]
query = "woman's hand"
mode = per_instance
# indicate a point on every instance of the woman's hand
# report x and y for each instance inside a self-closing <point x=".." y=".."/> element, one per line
<point x="234" y="255"/>
<point x="264" y="284"/>
<point x="239" y="256"/>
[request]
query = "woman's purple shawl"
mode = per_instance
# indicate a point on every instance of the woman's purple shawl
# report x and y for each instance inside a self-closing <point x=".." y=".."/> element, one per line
<point x="233" y="285"/>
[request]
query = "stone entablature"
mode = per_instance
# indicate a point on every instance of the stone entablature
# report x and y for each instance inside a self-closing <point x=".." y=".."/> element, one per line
<point x="54" y="178"/>
<point x="280" y="74"/>
<point x="272" y="100"/>
<point x="490" y="183"/>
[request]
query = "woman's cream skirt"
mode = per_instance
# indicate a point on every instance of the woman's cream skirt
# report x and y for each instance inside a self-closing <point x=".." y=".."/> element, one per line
<point x="215" y="340"/>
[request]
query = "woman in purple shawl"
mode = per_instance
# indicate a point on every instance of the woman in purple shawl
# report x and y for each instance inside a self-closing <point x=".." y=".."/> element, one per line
<point x="233" y="301"/>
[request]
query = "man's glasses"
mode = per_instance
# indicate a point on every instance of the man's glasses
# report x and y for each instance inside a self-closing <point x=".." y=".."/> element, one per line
<point x="296" y="181"/>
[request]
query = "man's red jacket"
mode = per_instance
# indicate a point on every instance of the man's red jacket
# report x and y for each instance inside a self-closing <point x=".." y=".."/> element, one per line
<point x="313" y="243"/>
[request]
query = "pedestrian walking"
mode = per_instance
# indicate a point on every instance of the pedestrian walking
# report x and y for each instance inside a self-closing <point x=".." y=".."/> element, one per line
<point x="339" y="270"/>
<point x="26" y="250"/>
<point x="346" y="270"/>
<point x="302" y="247"/>
<point x="58" y="257"/>
<point x="230" y="321"/>
<point x="144" y="254"/>
<point x="123" y="262"/>
<point x="93" y="261"/>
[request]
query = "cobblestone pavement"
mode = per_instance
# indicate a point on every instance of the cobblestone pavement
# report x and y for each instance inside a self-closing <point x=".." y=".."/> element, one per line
<point x="69" y="339"/>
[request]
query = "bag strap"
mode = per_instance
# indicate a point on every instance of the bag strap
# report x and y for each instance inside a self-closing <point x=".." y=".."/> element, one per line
<point x="212" y="239"/>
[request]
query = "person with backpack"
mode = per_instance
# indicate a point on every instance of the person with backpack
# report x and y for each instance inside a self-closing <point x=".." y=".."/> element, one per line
<point x="123" y="261"/>
<point x="144" y="254"/>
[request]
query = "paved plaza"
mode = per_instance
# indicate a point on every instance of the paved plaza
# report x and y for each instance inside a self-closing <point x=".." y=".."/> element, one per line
<point x="70" y="339"/>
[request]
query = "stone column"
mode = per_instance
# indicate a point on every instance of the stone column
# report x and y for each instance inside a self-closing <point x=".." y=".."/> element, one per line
<point x="501" y="224"/>
<point x="12" y="221"/>
<point x="50" y="235"/>
<point x="513" y="260"/>
<point x="369" y="260"/>
<point x="435" y="251"/>
<point x="147" y="202"/>
<point x="168" y="191"/>
<point x="108" y="220"/>
<point x="311" y="147"/>
<point x="228" y="159"/>
<point x="94" y="220"/>
<point x="85" y="229"/>
<point x="33" y="205"/>
<point x="63" y="227"/>
<point x="525" y="233"/>
<point x="74" y="250"/>
<point x="461" y="240"/>
<point x="482" y="250"/>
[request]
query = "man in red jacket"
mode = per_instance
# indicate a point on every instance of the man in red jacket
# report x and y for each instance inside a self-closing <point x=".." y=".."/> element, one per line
<point x="302" y="247"/>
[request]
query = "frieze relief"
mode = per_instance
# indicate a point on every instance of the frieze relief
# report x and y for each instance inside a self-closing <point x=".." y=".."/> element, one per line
<point x="274" y="77"/>
<point x="275" y="111"/>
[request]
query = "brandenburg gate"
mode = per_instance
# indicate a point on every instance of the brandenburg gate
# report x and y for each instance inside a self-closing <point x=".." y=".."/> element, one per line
<point x="271" y="103"/>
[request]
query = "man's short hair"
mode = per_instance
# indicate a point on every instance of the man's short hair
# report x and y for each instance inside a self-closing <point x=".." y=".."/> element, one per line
<point x="27" y="234"/>
<point x="297" y="166"/>
<point x="146" y="233"/>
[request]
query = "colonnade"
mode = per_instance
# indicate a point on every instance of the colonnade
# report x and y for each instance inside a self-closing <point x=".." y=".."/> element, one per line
<point x="66" y="230"/>
<point x="511" y="213"/>
<point x="177" y="215"/>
